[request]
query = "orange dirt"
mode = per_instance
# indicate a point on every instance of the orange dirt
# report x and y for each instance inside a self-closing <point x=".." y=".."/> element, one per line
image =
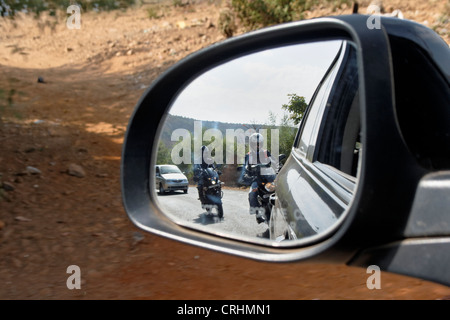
<point x="93" y="78"/>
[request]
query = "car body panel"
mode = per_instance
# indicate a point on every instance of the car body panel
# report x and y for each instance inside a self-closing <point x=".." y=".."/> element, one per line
<point x="311" y="196"/>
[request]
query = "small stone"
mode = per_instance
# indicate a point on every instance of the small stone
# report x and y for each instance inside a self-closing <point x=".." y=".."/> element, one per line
<point x="22" y="219"/>
<point x="76" y="171"/>
<point x="8" y="186"/>
<point x="33" y="170"/>
<point x="181" y="24"/>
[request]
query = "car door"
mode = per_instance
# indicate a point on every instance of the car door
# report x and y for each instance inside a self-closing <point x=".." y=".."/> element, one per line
<point x="316" y="184"/>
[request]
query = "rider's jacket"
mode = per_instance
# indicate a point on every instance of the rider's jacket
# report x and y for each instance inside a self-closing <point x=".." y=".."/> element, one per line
<point x="198" y="171"/>
<point x="252" y="158"/>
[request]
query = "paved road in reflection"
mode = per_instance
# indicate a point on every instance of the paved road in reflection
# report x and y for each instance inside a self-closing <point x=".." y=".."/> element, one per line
<point x="237" y="220"/>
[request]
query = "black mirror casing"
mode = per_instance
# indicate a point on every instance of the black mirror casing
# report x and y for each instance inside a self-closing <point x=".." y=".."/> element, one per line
<point x="372" y="231"/>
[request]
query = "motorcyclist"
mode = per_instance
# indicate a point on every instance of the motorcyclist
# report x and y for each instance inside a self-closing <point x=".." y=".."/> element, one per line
<point x="198" y="171"/>
<point x="256" y="155"/>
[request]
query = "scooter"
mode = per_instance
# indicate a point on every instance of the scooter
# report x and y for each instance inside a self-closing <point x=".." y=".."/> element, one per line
<point x="212" y="191"/>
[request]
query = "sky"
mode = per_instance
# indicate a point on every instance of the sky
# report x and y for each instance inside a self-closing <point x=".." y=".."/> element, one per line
<point x="246" y="89"/>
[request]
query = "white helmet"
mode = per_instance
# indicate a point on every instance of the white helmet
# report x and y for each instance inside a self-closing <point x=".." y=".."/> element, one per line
<point x="256" y="142"/>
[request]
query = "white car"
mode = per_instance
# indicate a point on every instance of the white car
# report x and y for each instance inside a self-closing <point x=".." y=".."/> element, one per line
<point x="170" y="178"/>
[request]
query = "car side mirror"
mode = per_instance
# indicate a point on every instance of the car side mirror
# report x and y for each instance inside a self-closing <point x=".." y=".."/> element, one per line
<point x="328" y="205"/>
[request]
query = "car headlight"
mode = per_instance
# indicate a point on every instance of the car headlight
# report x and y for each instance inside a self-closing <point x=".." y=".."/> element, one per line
<point x="270" y="186"/>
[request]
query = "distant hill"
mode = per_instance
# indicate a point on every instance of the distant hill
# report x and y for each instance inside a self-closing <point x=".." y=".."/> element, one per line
<point x="178" y="122"/>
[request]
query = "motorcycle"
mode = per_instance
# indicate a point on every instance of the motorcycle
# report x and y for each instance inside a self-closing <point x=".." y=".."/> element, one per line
<point x="212" y="191"/>
<point x="265" y="175"/>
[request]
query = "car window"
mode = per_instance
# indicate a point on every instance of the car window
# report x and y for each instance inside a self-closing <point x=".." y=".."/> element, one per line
<point x="169" y="169"/>
<point x="339" y="140"/>
<point x="330" y="134"/>
<point x="315" y="112"/>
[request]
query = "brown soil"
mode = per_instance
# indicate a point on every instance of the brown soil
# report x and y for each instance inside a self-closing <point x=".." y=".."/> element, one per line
<point x="93" y="78"/>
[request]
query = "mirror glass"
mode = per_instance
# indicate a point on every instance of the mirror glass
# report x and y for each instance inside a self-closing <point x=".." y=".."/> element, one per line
<point x="242" y="152"/>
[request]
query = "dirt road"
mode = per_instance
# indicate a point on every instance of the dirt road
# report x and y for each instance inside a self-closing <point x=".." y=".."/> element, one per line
<point x="60" y="141"/>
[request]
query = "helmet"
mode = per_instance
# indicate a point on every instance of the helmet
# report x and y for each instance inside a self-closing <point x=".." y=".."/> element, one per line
<point x="256" y="142"/>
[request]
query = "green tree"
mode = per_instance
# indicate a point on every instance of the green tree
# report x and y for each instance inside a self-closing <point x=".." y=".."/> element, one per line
<point x="286" y="135"/>
<point x="286" y="132"/>
<point x="296" y="106"/>
<point x="164" y="155"/>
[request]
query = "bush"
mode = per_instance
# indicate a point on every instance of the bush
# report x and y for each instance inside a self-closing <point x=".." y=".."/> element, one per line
<point x="255" y="14"/>
<point x="260" y="13"/>
<point x="9" y="8"/>
<point x="227" y="23"/>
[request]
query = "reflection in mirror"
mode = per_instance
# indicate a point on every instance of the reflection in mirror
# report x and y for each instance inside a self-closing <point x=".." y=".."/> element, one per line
<point x="231" y="135"/>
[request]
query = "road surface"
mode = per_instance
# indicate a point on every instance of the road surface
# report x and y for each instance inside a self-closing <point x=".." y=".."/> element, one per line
<point x="236" y="221"/>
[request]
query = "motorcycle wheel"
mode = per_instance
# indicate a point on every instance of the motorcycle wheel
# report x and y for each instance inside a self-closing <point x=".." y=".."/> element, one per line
<point x="220" y="210"/>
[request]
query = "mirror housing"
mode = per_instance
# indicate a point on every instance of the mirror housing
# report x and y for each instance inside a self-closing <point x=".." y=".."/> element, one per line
<point x="373" y="229"/>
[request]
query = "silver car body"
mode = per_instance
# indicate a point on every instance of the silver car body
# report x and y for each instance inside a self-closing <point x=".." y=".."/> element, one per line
<point x="170" y="178"/>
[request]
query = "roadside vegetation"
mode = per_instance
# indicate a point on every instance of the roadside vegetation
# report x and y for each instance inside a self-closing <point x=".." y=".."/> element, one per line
<point x="10" y="8"/>
<point x="261" y="13"/>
